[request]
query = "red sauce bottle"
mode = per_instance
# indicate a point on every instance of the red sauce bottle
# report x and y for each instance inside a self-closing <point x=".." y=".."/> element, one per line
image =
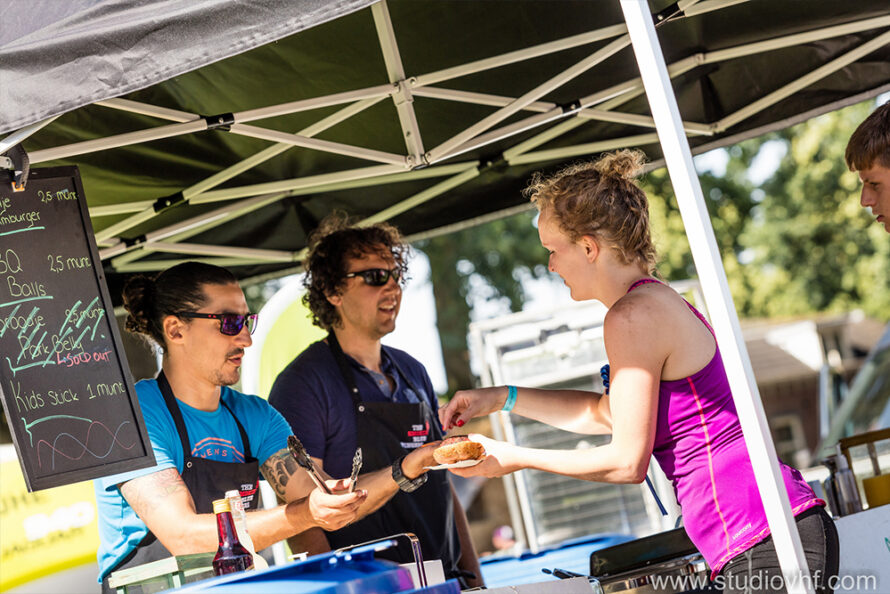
<point x="231" y="556"/>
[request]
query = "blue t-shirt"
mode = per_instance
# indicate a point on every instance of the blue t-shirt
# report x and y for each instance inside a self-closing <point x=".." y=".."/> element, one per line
<point x="314" y="398"/>
<point x="214" y="435"/>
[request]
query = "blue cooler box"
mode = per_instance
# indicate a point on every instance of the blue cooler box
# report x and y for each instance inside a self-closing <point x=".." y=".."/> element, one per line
<point x="356" y="572"/>
<point x="572" y="555"/>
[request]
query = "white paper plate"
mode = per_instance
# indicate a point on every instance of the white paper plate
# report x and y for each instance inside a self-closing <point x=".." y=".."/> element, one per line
<point x="461" y="464"/>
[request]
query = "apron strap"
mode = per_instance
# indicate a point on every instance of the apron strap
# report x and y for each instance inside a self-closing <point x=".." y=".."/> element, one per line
<point x="349" y="377"/>
<point x="345" y="369"/>
<point x="170" y="401"/>
<point x="244" y="440"/>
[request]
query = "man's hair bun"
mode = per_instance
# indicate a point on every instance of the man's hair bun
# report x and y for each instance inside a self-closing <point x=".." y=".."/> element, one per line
<point x="138" y="297"/>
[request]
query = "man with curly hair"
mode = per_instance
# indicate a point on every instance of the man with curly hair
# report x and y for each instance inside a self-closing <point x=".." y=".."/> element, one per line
<point x="349" y="390"/>
<point x="868" y="153"/>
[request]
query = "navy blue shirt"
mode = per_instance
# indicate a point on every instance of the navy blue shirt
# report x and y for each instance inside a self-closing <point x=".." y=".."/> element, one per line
<point x="313" y="397"/>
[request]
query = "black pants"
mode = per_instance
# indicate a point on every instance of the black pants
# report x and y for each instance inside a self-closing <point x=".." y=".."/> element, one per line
<point x="757" y="569"/>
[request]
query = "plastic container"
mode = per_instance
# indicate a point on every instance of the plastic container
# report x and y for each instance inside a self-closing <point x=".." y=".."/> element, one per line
<point x="330" y="573"/>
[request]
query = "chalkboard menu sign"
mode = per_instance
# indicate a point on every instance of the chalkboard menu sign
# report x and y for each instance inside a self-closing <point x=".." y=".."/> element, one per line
<point x="66" y="389"/>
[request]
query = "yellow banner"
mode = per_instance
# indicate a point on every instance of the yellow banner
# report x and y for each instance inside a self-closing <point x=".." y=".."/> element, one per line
<point x="46" y="531"/>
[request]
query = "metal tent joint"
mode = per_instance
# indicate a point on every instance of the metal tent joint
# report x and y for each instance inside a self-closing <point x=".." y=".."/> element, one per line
<point x="571" y="107"/>
<point x="492" y="163"/>
<point x="414" y="163"/>
<point x="667" y="13"/>
<point x="221" y="121"/>
<point x="16" y="160"/>
<point x="166" y="202"/>
<point x="402" y="92"/>
<point x="139" y="240"/>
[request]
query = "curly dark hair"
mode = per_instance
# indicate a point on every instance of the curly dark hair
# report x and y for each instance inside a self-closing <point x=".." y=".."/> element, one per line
<point x="148" y="300"/>
<point x="335" y="241"/>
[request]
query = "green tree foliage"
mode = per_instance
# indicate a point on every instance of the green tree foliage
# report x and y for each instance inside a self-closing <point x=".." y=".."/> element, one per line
<point x="814" y="247"/>
<point x="797" y="244"/>
<point x="729" y="202"/>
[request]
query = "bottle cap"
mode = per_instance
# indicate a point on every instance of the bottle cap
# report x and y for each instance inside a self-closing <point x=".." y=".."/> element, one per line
<point x="221" y="505"/>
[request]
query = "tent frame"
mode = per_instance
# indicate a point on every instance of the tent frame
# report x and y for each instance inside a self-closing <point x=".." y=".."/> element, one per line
<point x="416" y="163"/>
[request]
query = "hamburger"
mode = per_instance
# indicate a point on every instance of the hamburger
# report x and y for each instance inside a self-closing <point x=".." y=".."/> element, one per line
<point x="456" y="449"/>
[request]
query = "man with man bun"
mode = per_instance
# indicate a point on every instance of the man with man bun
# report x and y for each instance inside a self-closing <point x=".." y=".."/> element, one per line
<point x="207" y="438"/>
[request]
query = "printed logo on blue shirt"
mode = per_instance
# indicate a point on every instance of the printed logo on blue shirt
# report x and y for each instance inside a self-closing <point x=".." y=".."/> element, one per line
<point x="217" y="448"/>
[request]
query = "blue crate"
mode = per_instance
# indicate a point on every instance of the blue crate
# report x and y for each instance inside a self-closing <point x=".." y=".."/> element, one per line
<point x="329" y="573"/>
<point x="572" y="555"/>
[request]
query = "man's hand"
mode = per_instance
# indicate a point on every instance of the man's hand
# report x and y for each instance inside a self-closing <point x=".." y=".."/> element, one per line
<point x="334" y="511"/>
<point x="415" y="463"/>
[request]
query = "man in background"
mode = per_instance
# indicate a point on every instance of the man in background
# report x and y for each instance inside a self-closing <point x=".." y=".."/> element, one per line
<point x="868" y="153"/>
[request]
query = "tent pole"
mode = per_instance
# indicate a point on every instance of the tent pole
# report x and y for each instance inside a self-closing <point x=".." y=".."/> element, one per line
<point x="444" y="150"/>
<point x="804" y="81"/>
<point x="198" y="224"/>
<point x="590" y="113"/>
<point x="423" y="196"/>
<point x="313" y="103"/>
<point x="580" y="150"/>
<point x="796" y="39"/>
<point x="217" y="178"/>
<point x="156" y="265"/>
<point x="528" y="53"/>
<point x="317" y="144"/>
<point x="108" y="210"/>
<point x="402" y="97"/>
<point x="101" y="144"/>
<point x="610" y="97"/>
<point x="17" y="137"/>
<point x="717" y="296"/>
<point x="200" y="249"/>
<point x="543" y="49"/>
<point x="629" y="89"/>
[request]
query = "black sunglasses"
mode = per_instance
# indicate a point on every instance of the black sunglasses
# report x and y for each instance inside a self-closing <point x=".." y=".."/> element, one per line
<point x="377" y="277"/>
<point x="229" y="324"/>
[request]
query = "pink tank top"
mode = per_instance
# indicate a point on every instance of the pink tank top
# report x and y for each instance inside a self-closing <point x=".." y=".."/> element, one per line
<point x="700" y="447"/>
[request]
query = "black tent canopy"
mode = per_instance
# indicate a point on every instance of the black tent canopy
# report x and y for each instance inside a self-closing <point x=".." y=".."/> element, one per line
<point x="424" y="113"/>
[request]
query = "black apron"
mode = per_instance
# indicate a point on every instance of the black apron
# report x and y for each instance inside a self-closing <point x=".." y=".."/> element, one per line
<point x="206" y="480"/>
<point x="428" y="512"/>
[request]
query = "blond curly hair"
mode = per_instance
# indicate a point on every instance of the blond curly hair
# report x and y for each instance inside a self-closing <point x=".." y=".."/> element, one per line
<point x="600" y="199"/>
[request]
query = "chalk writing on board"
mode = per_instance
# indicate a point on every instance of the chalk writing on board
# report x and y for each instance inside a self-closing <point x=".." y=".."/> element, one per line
<point x="80" y="448"/>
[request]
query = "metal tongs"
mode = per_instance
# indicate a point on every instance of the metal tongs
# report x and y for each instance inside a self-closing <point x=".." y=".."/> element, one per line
<point x="356" y="467"/>
<point x="302" y="458"/>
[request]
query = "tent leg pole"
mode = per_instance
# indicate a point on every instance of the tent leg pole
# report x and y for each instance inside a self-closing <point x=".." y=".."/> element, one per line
<point x="678" y="157"/>
<point x="17" y="137"/>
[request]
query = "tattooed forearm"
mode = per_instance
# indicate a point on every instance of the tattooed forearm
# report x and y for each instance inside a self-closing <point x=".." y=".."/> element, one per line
<point x="278" y="470"/>
<point x="147" y="493"/>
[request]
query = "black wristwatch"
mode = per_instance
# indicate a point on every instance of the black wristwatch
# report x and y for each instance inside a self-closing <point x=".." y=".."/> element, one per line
<point x="405" y="484"/>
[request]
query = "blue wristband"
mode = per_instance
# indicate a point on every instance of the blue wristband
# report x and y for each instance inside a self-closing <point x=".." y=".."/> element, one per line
<point x="512" y="392"/>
